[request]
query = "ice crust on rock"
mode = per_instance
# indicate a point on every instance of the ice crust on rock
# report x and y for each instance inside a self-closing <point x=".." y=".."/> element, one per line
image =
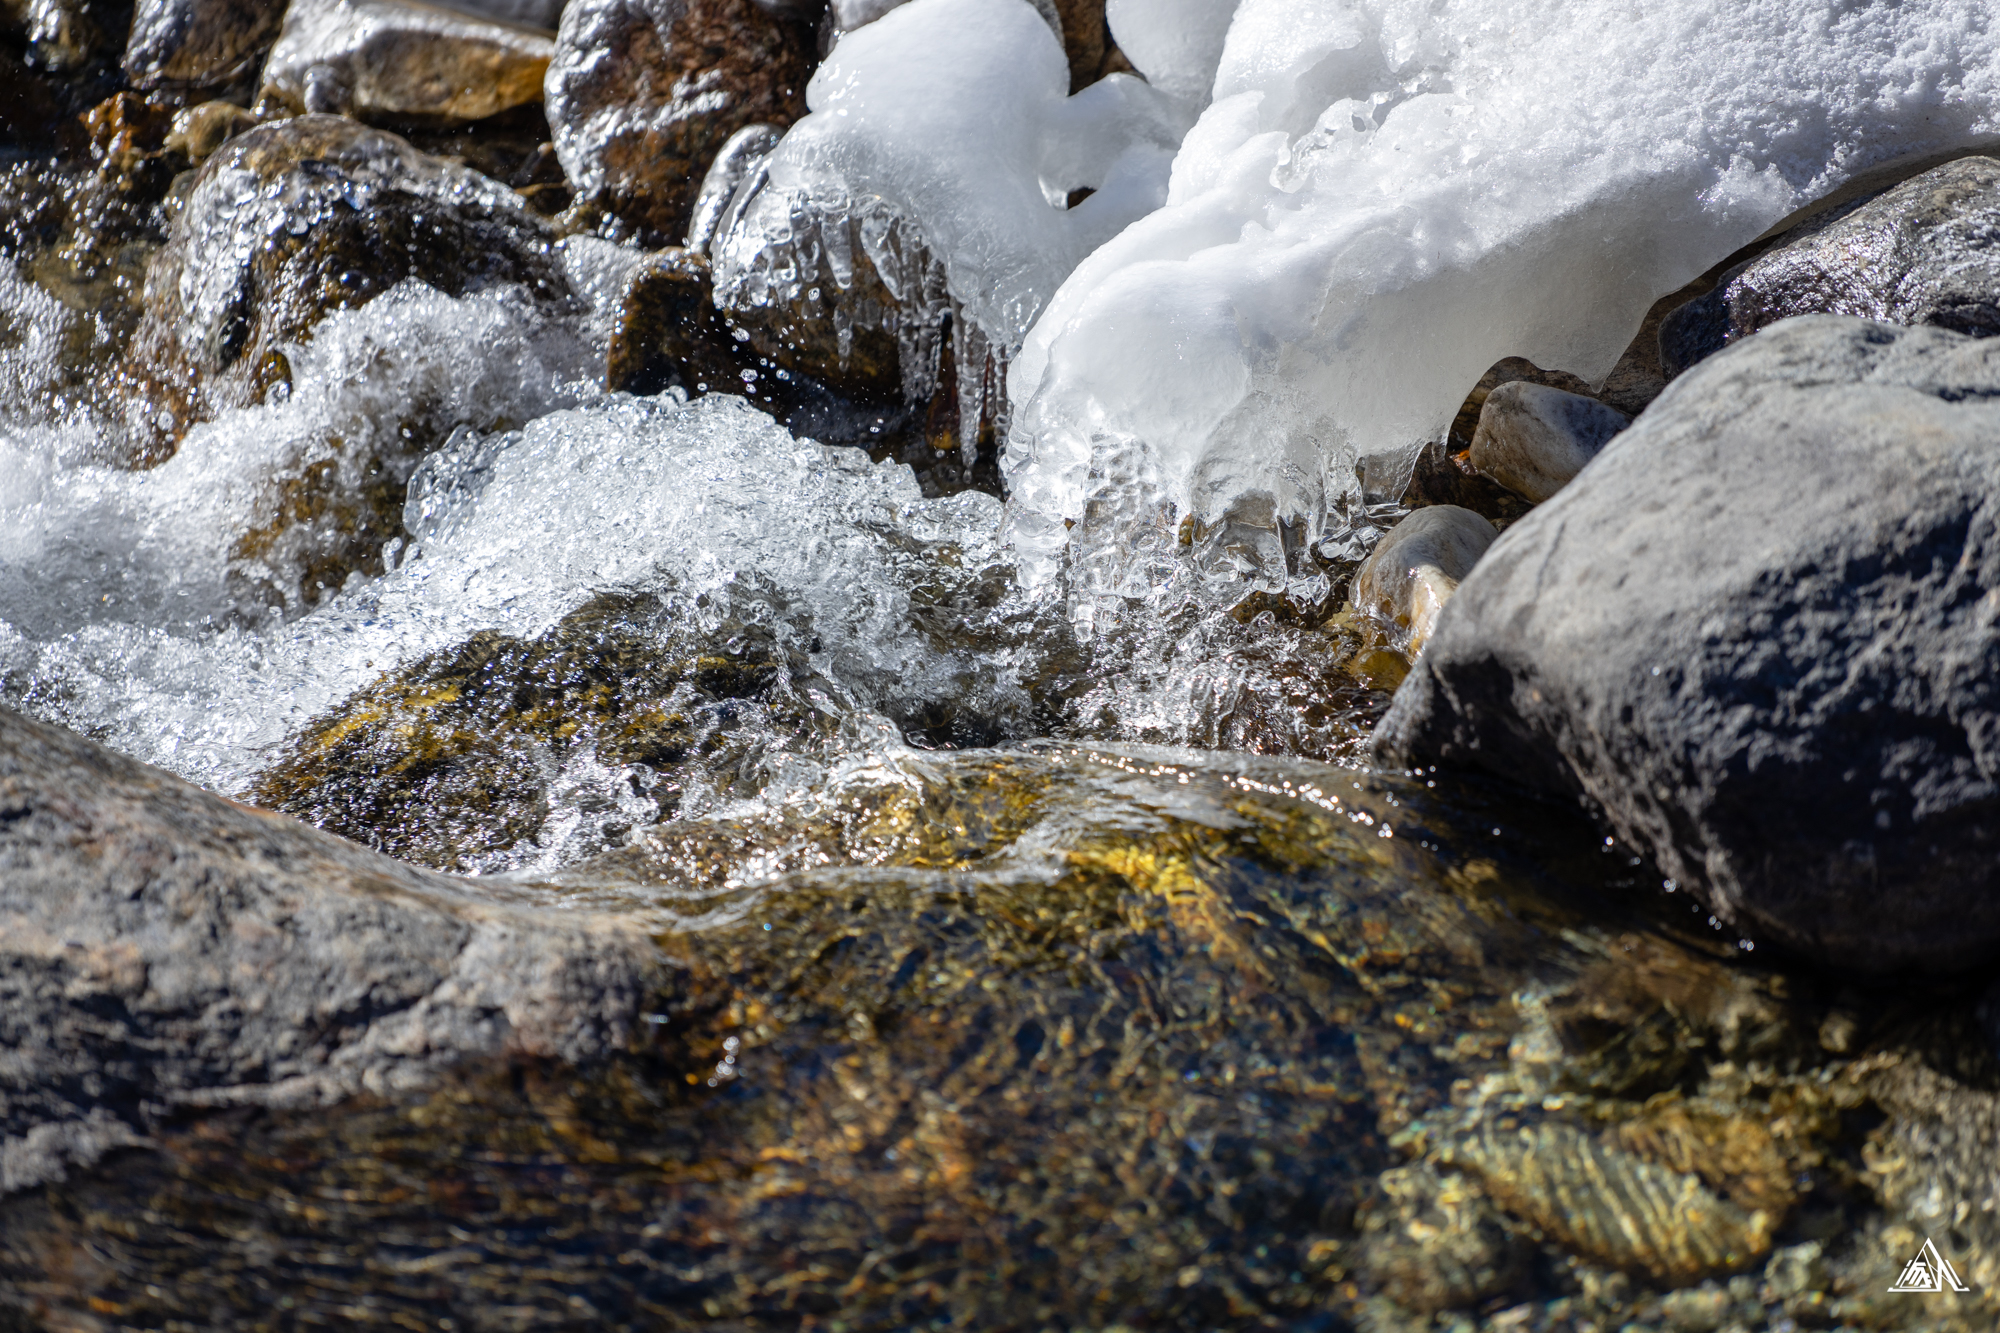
<point x="945" y="129"/>
<point x="1384" y="197"/>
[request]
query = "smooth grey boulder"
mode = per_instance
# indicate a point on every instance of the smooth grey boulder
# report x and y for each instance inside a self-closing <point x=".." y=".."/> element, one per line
<point x="162" y="947"/>
<point x="1925" y="252"/>
<point x="1762" y="634"/>
<point x="1532" y="439"/>
<point x="1416" y="567"/>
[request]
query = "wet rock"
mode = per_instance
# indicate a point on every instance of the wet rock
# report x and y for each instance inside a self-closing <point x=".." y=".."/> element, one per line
<point x="399" y="60"/>
<point x="1532" y="439"/>
<point x="201" y="129"/>
<point x="129" y="141"/>
<point x="79" y="232"/>
<point x="670" y="333"/>
<point x="1415" y="568"/>
<point x="642" y="94"/>
<point x="66" y="36"/>
<point x="1610" y="1205"/>
<point x="543" y="14"/>
<point x="164" y="948"/>
<point x="186" y="45"/>
<point x="448" y="761"/>
<point x="1925" y="252"/>
<point x="1758" y="636"/>
<point x="296" y="219"/>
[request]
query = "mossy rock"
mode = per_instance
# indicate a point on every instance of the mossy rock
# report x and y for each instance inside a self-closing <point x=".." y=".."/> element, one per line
<point x="448" y="760"/>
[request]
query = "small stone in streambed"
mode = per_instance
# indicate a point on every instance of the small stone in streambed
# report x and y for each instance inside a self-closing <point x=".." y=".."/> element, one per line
<point x="642" y="94"/>
<point x="1417" y="567"/>
<point x="390" y="60"/>
<point x="199" y="130"/>
<point x="1610" y="1205"/>
<point x="1432" y="1241"/>
<point x="1532" y="439"/>
<point x="184" y="46"/>
<point x="1925" y="252"/>
<point x="1758" y="634"/>
<point x="165" y="948"/>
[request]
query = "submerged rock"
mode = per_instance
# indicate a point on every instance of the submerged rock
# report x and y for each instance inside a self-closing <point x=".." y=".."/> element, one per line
<point x="1925" y="252"/>
<point x="185" y="45"/>
<point x="642" y="94"/>
<point x="1611" y="1205"/>
<point x="1758" y="635"/>
<point x="1533" y="439"/>
<point x="1433" y="1241"/>
<point x="1417" y="566"/>
<point x="399" y="60"/>
<point x="296" y="219"/>
<point x="164" y="949"/>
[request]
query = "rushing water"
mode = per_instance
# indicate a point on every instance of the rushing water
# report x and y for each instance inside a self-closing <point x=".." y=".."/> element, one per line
<point x="1047" y="954"/>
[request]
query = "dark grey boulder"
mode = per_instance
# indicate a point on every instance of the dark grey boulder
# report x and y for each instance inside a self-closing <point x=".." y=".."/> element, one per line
<point x="1925" y="252"/>
<point x="1762" y="633"/>
<point x="162" y="947"/>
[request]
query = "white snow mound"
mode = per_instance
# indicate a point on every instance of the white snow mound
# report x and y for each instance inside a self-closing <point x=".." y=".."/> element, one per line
<point x="1383" y="197"/>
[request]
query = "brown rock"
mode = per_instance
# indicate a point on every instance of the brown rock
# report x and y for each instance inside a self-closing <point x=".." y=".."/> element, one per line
<point x="199" y="130"/>
<point x="643" y="93"/>
<point x="669" y="331"/>
<point x="163" y="947"/>
<point x="184" y="45"/>
<point x="65" y="35"/>
<point x="402" y="60"/>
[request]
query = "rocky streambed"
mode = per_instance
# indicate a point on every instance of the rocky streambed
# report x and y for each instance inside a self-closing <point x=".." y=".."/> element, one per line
<point x="546" y="780"/>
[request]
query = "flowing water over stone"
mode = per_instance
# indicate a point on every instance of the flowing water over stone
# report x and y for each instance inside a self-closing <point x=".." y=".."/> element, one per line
<point x="1039" y="950"/>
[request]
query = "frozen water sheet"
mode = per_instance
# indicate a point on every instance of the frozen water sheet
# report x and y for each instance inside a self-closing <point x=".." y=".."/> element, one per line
<point x="1384" y="197"/>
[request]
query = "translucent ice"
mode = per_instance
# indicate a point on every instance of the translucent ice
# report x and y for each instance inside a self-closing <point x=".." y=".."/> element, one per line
<point x="1386" y="196"/>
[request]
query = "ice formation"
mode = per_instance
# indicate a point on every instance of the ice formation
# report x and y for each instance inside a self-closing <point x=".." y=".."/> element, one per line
<point x="1386" y="196"/>
<point x="1380" y="199"/>
<point x="944" y="132"/>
